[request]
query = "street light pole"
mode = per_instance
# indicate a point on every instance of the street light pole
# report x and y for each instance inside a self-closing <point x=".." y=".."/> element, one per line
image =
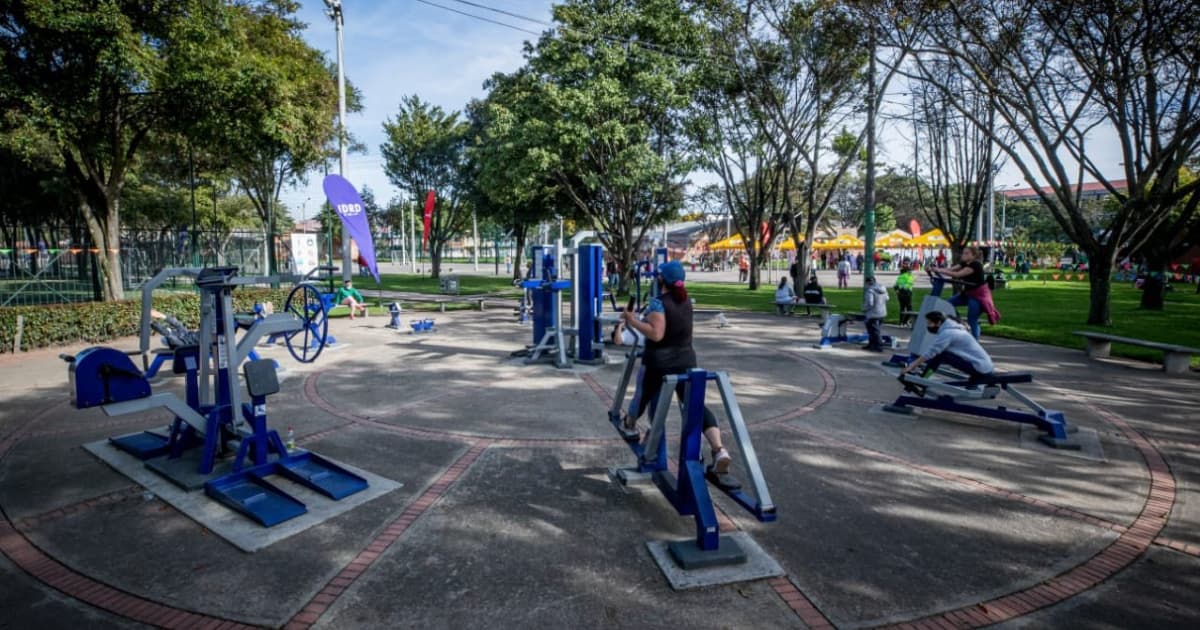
<point x="335" y="13"/>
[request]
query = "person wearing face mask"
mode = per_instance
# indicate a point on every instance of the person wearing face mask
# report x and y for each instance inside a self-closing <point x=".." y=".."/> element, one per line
<point x="954" y="346"/>
<point x="666" y="325"/>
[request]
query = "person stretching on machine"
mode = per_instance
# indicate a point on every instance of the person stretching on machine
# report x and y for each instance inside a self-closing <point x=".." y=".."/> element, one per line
<point x="954" y="346"/>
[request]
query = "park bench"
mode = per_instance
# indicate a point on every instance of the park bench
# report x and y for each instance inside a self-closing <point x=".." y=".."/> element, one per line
<point x="1176" y="359"/>
<point x="823" y="309"/>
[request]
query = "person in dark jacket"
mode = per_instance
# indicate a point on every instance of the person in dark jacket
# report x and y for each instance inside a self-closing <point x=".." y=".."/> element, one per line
<point x="813" y="293"/>
<point x="667" y="327"/>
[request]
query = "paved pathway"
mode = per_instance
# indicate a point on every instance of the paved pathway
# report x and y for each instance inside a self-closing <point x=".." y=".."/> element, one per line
<point x="507" y="519"/>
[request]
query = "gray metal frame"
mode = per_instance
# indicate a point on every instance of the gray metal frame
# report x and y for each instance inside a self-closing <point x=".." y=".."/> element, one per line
<point x="167" y="400"/>
<point x="749" y="457"/>
<point x="148" y="305"/>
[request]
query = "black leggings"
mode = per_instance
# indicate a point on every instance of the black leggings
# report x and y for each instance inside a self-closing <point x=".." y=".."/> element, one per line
<point x="652" y="382"/>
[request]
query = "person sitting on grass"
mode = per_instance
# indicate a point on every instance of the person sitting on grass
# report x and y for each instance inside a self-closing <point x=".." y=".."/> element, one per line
<point x="785" y="297"/>
<point x="350" y="296"/>
<point x="813" y="293"/>
<point x="954" y="346"/>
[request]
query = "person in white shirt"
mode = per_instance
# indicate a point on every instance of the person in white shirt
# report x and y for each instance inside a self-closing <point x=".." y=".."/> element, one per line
<point x="952" y="345"/>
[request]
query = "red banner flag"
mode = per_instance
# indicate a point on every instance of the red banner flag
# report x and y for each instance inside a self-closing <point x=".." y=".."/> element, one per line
<point x="429" y="199"/>
<point x="914" y="228"/>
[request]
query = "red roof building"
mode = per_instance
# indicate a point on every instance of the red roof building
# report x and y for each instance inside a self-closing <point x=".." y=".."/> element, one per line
<point x="1090" y="190"/>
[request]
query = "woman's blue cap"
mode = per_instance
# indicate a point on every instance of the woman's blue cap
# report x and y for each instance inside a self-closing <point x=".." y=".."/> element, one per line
<point x="672" y="272"/>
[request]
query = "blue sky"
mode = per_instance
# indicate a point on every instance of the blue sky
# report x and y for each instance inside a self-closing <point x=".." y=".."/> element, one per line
<point x="398" y="47"/>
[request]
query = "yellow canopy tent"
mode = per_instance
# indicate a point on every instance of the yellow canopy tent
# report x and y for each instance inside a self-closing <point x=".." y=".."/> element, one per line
<point x="845" y="241"/>
<point x="932" y="238"/>
<point x="788" y="244"/>
<point x="732" y="243"/>
<point x="895" y="238"/>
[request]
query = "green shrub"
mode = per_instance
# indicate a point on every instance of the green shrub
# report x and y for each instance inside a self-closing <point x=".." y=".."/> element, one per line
<point x="97" y="322"/>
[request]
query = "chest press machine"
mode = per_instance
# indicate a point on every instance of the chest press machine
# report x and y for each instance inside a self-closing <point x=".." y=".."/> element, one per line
<point x="947" y="390"/>
<point x="214" y="421"/>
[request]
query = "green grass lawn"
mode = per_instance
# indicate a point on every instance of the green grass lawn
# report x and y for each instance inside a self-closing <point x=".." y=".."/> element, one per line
<point x="1030" y="311"/>
<point x="467" y="285"/>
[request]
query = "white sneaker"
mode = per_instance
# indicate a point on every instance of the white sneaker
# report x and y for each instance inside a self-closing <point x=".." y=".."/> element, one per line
<point x="721" y="462"/>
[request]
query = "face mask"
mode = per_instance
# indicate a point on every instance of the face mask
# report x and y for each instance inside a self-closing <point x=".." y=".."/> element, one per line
<point x="932" y="329"/>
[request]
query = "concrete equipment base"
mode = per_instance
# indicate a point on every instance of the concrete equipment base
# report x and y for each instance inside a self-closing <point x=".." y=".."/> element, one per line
<point x="236" y="529"/>
<point x="758" y="565"/>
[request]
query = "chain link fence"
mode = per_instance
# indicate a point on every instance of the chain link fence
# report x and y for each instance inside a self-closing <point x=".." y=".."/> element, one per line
<point x="54" y="265"/>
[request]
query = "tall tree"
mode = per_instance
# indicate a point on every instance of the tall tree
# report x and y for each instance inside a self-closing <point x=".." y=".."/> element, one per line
<point x="93" y="80"/>
<point x="1060" y="72"/>
<point x="426" y="151"/>
<point x="516" y="199"/>
<point x="614" y="83"/>
<point x="951" y="153"/>
<point x="281" y="100"/>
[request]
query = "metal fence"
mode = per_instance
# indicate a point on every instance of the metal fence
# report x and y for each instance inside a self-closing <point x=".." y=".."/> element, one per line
<point x="50" y="265"/>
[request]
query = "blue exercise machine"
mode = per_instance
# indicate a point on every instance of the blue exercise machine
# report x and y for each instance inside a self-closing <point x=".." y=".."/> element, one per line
<point x="581" y="338"/>
<point x="214" y="421"/>
<point x="177" y="337"/>
<point x="833" y="331"/>
<point x="688" y="493"/>
<point x="312" y="306"/>
<point x="948" y="390"/>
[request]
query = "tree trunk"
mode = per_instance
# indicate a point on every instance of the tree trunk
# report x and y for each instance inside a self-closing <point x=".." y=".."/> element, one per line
<point x="435" y="258"/>
<point x="106" y="238"/>
<point x="1154" y="287"/>
<point x="1100" y="279"/>
<point x="753" y="285"/>
<point x="518" y="267"/>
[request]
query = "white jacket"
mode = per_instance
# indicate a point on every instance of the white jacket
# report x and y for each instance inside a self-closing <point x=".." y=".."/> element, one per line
<point x="875" y="299"/>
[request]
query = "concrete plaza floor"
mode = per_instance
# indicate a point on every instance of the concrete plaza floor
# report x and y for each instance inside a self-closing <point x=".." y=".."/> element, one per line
<point x="506" y="517"/>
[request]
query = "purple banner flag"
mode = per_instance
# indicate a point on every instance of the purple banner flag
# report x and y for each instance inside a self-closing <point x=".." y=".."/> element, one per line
<point x="344" y="198"/>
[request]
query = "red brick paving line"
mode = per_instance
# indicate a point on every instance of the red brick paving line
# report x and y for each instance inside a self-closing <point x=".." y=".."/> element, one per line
<point x="329" y="594"/>
<point x="25" y="555"/>
<point x="116" y="496"/>
<point x="1113" y="559"/>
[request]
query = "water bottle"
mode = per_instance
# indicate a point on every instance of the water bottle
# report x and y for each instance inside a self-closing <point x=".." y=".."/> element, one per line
<point x="291" y="439"/>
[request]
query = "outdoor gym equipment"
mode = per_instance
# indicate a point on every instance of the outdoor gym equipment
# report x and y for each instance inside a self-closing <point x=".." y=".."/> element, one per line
<point x="957" y="393"/>
<point x="175" y="334"/>
<point x="312" y="305"/>
<point x="833" y="331"/>
<point x="213" y="420"/>
<point x="688" y="493"/>
<point x="648" y="269"/>
<point x="581" y="339"/>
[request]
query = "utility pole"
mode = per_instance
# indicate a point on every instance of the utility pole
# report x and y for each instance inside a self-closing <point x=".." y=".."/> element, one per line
<point x="869" y="183"/>
<point x="475" y="236"/>
<point x="335" y="13"/>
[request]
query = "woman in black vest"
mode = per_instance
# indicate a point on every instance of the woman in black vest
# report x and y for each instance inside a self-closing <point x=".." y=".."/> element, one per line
<point x="668" y="331"/>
